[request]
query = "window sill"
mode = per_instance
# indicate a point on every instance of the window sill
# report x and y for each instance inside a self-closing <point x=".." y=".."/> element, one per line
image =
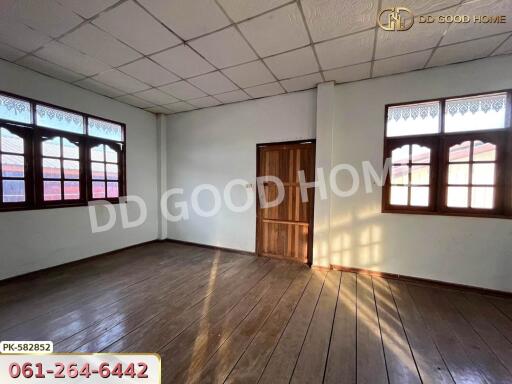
<point x="452" y="214"/>
<point x="56" y="206"/>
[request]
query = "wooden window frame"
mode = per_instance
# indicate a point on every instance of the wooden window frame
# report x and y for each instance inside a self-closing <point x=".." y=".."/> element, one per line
<point x="439" y="144"/>
<point x="33" y="135"/>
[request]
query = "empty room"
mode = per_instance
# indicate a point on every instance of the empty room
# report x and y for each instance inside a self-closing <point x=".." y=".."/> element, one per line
<point x="256" y="191"/>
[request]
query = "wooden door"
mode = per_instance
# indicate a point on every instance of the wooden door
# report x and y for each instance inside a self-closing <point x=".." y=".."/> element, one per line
<point x="286" y="231"/>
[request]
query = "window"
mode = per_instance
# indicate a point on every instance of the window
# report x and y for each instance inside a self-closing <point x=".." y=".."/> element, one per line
<point x="450" y="156"/>
<point x="53" y="157"/>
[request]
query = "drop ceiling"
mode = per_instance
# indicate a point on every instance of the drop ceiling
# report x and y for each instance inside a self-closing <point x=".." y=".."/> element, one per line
<point x="170" y="56"/>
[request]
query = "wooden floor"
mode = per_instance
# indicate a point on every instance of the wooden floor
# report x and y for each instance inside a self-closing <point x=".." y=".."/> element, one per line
<point x="223" y="317"/>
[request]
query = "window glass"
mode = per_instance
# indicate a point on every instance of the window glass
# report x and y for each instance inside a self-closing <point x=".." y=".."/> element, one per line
<point x="14" y="109"/>
<point x="104" y="172"/>
<point x="58" y="119"/>
<point x="476" y="113"/>
<point x="12" y="167"/>
<point x="105" y="129"/>
<point x="413" y="119"/>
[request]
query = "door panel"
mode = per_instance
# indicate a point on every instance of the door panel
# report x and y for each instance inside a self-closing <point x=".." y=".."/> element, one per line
<point x="285" y="231"/>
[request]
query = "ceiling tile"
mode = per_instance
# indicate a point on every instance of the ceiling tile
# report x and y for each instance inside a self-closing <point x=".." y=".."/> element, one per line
<point x="277" y="31"/>
<point x="96" y="43"/>
<point x="232" y="97"/>
<point x="420" y="37"/>
<point x="213" y="83"/>
<point x="187" y="18"/>
<point x="179" y="107"/>
<point x="148" y="72"/>
<point x="159" y="109"/>
<point x="46" y="16"/>
<point x="265" y="90"/>
<point x="295" y="63"/>
<point x="398" y="64"/>
<point x="470" y="50"/>
<point x="149" y="36"/>
<point x="240" y="10"/>
<point x="467" y="31"/>
<point x="183" y="61"/>
<point x="49" y="69"/>
<point x="224" y="48"/>
<point x="10" y="53"/>
<point x="332" y="18"/>
<point x="505" y="48"/>
<point x="250" y="74"/>
<point x="347" y="50"/>
<point x="96" y="86"/>
<point x="420" y="7"/>
<point x="302" y="82"/>
<point x="88" y="8"/>
<point x="351" y="73"/>
<point x="156" y="96"/>
<point x="204" y="102"/>
<point x="119" y="80"/>
<point x="71" y="59"/>
<point x="20" y="36"/>
<point x="183" y="90"/>
<point x="135" y="101"/>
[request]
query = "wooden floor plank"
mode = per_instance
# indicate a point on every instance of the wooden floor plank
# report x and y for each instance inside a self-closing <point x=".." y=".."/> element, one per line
<point x="217" y="369"/>
<point x="313" y="356"/>
<point x="192" y="349"/>
<point x="252" y="363"/>
<point x="430" y="363"/>
<point x="341" y="362"/>
<point x="282" y="362"/>
<point x="455" y="355"/>
<point x="400" y="362"/>
<point x="496" y="317"/>
<point x="371" y="364"/>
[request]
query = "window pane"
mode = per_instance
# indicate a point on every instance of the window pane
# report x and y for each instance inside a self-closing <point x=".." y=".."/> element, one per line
<point x="482" y="197"/>
<point x="484" y="151"/>
<point x="399" y="195"/>
<point x="112" y="172"/>
<point x="413" y="119"/>
<point x="457" y="197"/>
<point x="51" y="168"/>
<point x="483" y="174"/>
<point x="15" y="109"/>
<point x="400" y="174"/>
<point x="59" y="119"/>
<point x="71" y="190"/>
<point x="97" y="153"/>
<point x="476" y="113"/>
<point x="70" y="149"/>
<point x="13" y="166"/>
<point x="51" y="147"/>
<point x="52" y="190"/>
<point x="420" y="174"/>
<point x="419" y="196"/>
<point x="111" y="154"/>
<point x="11" y="142"/>
<point x="420" y="154"/>
<point x="460" y="153"/>
<point x="71" y="169"/>
<point x="98" y="189"/>
<point x="400" y="155"/>
<point x="98" y="171"/>
<point x="112" y="190"/>
<point x="105" y="129"/>
<point x="458" y="174"/>
<point x="13" y="191"/>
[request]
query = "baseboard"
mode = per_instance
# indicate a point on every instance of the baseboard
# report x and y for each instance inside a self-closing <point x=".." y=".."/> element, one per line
<point x="36" y="273"/>
<point x="211" y="247"/>
<point x="420" y="280"/>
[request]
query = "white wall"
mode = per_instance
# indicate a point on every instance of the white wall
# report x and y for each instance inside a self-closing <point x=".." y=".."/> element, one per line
<point x="473" y="251"/>
<point x="216" y="145"/>
<point x="32" y="240"/>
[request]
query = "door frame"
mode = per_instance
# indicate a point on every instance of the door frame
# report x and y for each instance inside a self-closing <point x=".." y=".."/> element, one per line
<point x="311" y="208"/>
